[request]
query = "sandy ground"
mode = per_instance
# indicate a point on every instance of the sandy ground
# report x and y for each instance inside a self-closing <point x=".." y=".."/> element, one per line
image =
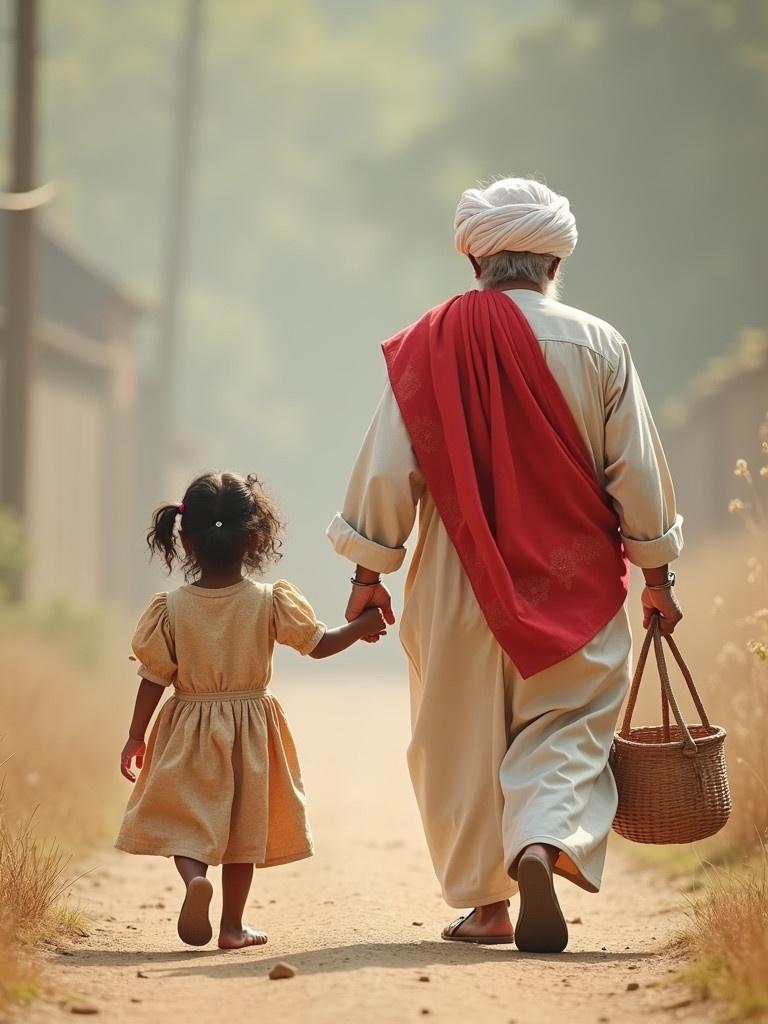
<point x="361" y="921"/>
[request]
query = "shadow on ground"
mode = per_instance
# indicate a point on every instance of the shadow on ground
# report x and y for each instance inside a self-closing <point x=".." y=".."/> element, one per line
<point x="216" y="963"/>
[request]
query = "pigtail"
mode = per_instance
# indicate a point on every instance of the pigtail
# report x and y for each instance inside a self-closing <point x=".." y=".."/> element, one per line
<point x="161" y="536"/>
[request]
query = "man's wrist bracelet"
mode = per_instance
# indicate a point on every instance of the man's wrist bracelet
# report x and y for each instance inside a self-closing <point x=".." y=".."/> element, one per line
<point x="663" y="586"/>
<point x="359" y="583"/>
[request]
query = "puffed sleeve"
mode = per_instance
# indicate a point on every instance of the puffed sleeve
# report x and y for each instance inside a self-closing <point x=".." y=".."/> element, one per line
<point x="153" y="644"/>
<point x="294" y="622"/>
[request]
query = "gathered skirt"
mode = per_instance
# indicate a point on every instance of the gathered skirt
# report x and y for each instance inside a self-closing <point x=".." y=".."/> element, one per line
<point x="220" y="783"/>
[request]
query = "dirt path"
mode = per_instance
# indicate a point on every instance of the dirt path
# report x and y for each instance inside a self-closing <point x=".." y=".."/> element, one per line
<point x="361" y="921"/>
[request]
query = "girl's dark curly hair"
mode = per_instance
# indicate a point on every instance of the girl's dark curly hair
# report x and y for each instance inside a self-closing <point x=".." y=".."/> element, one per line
<point x="226" y="521"/>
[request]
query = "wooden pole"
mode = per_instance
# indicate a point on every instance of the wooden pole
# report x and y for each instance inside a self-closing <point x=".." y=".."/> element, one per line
<point x="181" y="181"/>
<point x="18" y="355"/>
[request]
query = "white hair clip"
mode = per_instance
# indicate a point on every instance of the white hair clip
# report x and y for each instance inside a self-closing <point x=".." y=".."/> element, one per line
<point x="218" y="523"/>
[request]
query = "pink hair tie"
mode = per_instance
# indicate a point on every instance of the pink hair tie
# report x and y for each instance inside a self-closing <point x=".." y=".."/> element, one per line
<point x="180" y="507"/>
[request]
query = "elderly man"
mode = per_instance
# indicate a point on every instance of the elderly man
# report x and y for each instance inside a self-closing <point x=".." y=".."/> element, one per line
<point x="519" y="429"/>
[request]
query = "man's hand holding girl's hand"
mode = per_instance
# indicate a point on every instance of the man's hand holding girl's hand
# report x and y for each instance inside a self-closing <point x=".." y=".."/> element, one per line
<point x="376" y="596"/>
<point x="132" y="749"/>
<point x="372" y="594"/>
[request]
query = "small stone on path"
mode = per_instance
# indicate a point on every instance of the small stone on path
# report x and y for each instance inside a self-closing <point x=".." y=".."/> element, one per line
<point x="83" y="1009"/>
<point x="282" y="970"/>
<point x="633" y="986"/>
<point x="424" y="977"/>
<point x="417" y="924"/>
<point x="574" y="920"/>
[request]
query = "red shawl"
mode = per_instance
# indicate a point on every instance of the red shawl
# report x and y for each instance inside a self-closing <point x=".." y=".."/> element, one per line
<point x="510" y="475"/>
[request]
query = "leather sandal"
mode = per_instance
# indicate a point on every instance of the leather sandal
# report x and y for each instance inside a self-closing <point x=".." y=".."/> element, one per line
<point x="449" y="934"/>
<point x="540" y="927"/>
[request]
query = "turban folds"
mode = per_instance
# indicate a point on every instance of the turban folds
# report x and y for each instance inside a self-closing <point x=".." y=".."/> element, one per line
<point x="514" y="215"/>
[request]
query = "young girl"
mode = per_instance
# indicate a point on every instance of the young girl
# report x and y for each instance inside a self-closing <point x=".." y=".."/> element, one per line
<point x="220" y="781"/>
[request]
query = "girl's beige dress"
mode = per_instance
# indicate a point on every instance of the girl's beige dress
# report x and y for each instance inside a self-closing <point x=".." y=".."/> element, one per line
<point x="221" y="781"/>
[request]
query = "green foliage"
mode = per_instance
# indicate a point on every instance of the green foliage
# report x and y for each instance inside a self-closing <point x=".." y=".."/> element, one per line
<point x="14" y="551"/>
<point x="84" y="633"/>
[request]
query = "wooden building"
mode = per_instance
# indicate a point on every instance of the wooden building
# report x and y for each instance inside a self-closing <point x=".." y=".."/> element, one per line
<point x="83" y="459"/>
<point x="720" y="418"/>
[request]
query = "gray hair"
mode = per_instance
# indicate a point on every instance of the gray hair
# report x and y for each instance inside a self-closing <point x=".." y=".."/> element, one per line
<point x="507" y="266"/>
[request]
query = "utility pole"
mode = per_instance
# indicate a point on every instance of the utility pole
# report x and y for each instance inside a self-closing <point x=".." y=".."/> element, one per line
<point x="180" y="190"/>
<point x="18" y="354"/>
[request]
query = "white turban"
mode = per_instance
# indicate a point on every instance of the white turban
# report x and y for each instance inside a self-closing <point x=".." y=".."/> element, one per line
<point x="514" y="215"/>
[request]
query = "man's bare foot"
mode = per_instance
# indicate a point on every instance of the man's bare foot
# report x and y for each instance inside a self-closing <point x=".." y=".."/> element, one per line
<point x="239" y="938"/>
<point x="487" y="923"/>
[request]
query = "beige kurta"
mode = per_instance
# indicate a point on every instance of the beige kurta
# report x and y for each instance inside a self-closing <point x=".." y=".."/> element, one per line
<point x="497" y="761"/>
<point x="221" y="781"/>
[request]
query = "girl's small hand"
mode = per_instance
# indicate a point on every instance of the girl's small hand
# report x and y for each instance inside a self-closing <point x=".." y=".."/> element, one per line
<point x="132" y="749"/>
<point x="372" y="621"/>
<point x="370" y="597"/>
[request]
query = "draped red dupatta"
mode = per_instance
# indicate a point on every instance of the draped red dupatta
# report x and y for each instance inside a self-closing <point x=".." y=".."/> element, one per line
<point x="510" y="475"/>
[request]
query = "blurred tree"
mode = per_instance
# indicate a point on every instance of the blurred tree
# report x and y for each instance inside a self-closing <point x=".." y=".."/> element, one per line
<point x="648" y="115"/>
<point x="335" y="137"/>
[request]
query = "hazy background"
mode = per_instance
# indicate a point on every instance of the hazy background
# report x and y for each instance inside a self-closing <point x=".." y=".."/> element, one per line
<point x="331" y="142"/>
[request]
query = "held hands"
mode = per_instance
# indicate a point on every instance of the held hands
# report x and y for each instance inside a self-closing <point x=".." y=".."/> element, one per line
<point x="132" y="749"/>
<point x="665" y="604"/>
<point x="375" y="597"/>
<point x="373" y="625"/>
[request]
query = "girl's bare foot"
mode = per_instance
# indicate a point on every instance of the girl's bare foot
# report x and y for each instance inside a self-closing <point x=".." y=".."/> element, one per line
<point x="194" y="925"/>
<point x="239" y="938"/>
<point x="235" y="885"/>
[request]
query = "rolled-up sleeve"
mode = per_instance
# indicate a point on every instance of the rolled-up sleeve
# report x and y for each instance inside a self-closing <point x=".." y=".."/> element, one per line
<point x="384" y="490"/>
<point x="636" y="472"/>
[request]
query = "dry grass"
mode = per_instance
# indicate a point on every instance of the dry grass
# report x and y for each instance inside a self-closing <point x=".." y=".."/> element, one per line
<point x="728" y="940"/>
<point x="64" y="712"/>
<point x="61" y="731"/>
<point x="34" y="876"/>
<point x="720" y="625"/>
<point x="724" y="638"/>
<point x="723" y="588"/>
<point x="19" y="977"/>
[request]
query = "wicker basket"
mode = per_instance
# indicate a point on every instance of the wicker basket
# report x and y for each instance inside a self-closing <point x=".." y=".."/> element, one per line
<point x="672" y="779"/>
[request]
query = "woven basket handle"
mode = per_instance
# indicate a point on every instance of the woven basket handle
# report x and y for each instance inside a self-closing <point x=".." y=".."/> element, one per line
<point x="668" y="700"/>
